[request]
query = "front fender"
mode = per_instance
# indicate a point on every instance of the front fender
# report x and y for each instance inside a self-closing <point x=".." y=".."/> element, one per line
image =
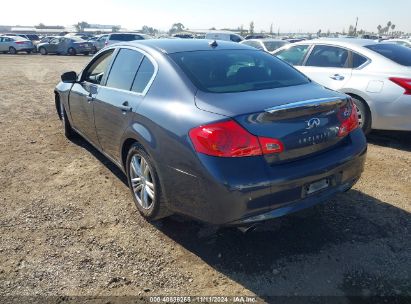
<point x="62" y="90"/>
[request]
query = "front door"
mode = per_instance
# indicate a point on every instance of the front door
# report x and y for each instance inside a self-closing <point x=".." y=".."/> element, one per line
<point x="83" y="94"/>
<point x="116" y="101"/>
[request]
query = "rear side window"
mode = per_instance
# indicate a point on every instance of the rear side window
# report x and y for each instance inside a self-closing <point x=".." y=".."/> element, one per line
<point x="124" y="69"/>
<point x="273" y="45"/>
<point x="143" y="77"/>
<point x="293" y="55"/>
<point x="358" y="60"/>
<point x="394" y="52"/>
<point x="229" y="71"/>
<point x="328" y="56"/>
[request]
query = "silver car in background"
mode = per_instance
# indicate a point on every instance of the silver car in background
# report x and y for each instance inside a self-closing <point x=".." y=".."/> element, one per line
<point x="99" y="42"/>
<point x="376" y="75"/>
<point x="268" y="45"/>
<point x="15" y="44"/>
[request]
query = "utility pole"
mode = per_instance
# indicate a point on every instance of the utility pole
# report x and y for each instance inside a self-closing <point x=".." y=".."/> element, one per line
<point x="355" y="28"/>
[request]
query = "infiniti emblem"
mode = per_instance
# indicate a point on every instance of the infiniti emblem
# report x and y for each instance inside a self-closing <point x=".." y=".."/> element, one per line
<point x="313" y="123"/>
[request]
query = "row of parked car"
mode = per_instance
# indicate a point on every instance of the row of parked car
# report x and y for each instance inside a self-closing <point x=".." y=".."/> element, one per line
<point x="70" y="44"/>
<point x="375" y="74"/>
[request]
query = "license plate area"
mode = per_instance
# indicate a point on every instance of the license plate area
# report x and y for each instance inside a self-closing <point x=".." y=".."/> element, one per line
<point x="317" y="186"/>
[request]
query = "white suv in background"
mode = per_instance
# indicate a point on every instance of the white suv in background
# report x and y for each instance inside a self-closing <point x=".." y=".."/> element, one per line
<point x="376" y="75"/>
<point x="225" y="36"/>
<point x="121" y="37"/>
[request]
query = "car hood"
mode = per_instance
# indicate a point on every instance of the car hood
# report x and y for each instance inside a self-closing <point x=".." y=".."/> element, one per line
<point x="233" y="104"/>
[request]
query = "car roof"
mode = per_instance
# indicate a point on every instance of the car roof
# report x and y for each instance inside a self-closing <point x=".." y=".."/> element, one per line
<point x="170" y="46"/>
<point x="128" y="33"/>
<point x="404" y="40"/>
<point x="347" y="42"/>
<point x="265" y="39"/>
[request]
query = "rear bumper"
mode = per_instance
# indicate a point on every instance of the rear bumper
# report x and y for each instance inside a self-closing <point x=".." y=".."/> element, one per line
<point x="25" y="49"/>
<point x="393" y="115"/>
<point x="239" y="191"/>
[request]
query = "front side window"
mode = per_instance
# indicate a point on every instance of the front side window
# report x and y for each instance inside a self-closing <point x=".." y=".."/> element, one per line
<point x="55" y="41"/>
<point x="229" y="71"/>
<point x="95" y="72"/>
<point x="328" y="56"/>
<point x="294" y="55"/>
<point x="124" y="69"/>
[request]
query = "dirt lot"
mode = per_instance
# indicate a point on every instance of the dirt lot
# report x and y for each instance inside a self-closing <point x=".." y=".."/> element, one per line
<point x="68" y="225"/>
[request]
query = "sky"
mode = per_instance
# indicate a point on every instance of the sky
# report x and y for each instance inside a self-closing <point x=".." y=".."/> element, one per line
<point x="288" y="15"/>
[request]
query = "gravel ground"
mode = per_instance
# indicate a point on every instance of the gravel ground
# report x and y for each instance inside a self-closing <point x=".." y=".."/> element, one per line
<point x="68" y="226"/>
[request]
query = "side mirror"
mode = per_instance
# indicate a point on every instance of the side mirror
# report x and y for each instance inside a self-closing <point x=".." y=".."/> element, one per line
<point x="69" y="77"/>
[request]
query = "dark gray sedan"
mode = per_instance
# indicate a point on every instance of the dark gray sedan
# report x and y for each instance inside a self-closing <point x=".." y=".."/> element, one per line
<point x="65" y="46"/>
<point x="218" y="131"/>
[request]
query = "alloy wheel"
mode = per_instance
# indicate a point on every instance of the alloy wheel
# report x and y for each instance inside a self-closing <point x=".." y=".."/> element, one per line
<point x="360" y="117"/>
<point x="142" y="183"/>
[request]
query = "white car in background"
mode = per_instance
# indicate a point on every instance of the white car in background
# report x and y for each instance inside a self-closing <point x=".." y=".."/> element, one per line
<point x="268" y="45"/>
<point x="122" y="37"/>
<point x="376" y="75"/>
<point x="224" y="35"/>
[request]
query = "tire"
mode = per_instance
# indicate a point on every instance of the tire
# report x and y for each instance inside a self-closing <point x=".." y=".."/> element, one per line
<point x="149" y="205"/>
<point x="71" y="51"/>
<point x="68" y="130"/>
<point x="12" y="50"/>
<point x="43" y="51"/>
<point x="364" y="114"/>
<point x="28" y="52"/>
<point x="86" y="53"/>
<point x="94" y="50"/>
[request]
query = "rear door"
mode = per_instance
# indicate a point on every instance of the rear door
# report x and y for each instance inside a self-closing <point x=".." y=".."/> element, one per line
<point x="83" y="94"/>
<point x="328" y="65"/>
<point x="3" y="45"/>
<point x="122" y="94"/>
<point x="52" y="47"/>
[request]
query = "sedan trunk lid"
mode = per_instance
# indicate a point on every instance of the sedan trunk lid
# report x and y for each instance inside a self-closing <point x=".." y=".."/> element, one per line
<point x="306" y="118"/>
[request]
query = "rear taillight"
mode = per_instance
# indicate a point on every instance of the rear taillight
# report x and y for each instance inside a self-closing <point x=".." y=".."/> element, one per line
<point x="20" y="42"/>
<point x="405" y="83"/>
<point x="229" y="139"/>
<point x="349" y="119"/>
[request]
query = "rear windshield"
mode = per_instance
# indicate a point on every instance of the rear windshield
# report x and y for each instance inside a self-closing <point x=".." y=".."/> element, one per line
<point x="19" y="38"/>
<point x="273" y="45"/>
<point x="126" y="37"/>
<point x="77" y="39"/>
<point x="397" y="53"/>
<point x="229" y="71"/>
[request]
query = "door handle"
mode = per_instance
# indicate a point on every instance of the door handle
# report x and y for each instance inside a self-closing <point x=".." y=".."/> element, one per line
<point x="337" y="77"/>
<point x="125" y="107"/>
